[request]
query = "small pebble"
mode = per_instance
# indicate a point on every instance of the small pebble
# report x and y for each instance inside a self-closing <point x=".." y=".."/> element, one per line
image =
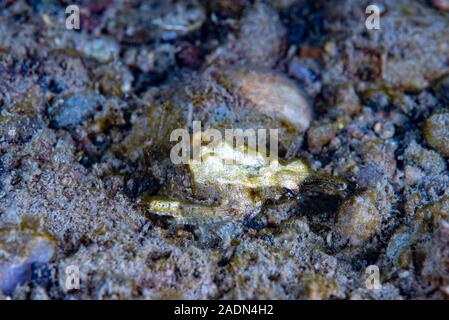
<point x="70" y="112"/>
<point x="368" y="176"/>
<point x="298" y="71"/>
<point x="413" y="175"/>
<point x="102" y="50"/>
<point x="341" y="99"/>
<point x="320" y="135"/>
<point x="189" y="56"/>
<point x="442" y="5"/>
<point x="384" y="130"/>
<point x="19" y="250"/>
<point x="358" y="218"/>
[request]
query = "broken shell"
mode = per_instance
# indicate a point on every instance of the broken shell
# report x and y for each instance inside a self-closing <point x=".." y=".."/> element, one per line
<point x="182" y="19"/>
<point x="185" y="212"/>
<point x="103" y="50"/>
<point x="275" y="95"/>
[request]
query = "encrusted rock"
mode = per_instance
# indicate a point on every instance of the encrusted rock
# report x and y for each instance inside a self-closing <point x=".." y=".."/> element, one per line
<point x="73" y="110"/>
<point x="430" y="215"/>
<point x="436" y="132"/>
<point x="358" y="218"/>
<point x="346" y="100"/>
<point x="394" y="58"/>
<point x="261" y="40"/>
<point x="430" y="161"/>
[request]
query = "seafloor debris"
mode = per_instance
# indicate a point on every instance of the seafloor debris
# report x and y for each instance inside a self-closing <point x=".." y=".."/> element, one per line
<point x="20" y="249"/>
<point x="86" y="118"/>
<point x="71" y="111"/>
<point x="260" y="41"/>
<point x="103" y="50"/>
<point x="182" y="18"/>
<point x="140" y="23"/>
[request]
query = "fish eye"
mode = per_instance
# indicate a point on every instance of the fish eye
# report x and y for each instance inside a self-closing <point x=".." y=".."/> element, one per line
<point x="342" y="186"/>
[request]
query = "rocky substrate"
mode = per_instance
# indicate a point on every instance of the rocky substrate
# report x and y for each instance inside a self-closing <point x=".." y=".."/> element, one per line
<point x="84" y="115"/>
